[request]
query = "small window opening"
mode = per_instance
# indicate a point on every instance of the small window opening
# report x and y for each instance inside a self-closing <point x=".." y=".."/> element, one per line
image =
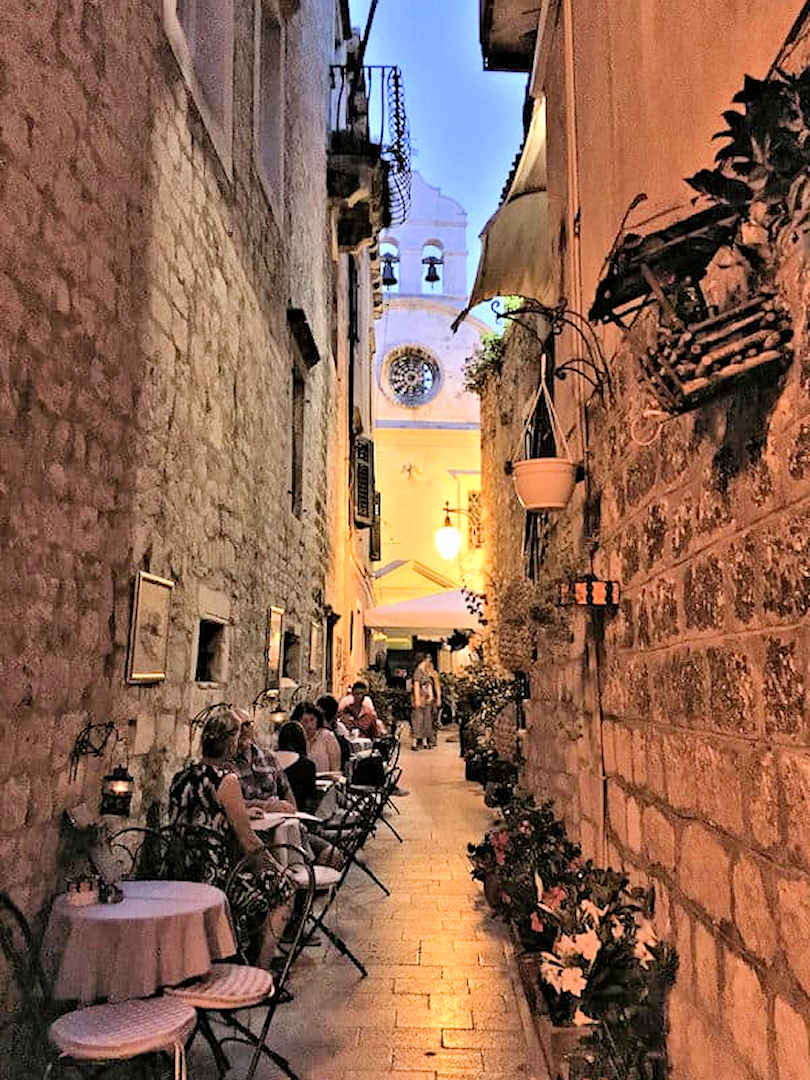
<point x="292" y="656"/>
<point x="297" y="444"/>
<point x="210" y="664"/>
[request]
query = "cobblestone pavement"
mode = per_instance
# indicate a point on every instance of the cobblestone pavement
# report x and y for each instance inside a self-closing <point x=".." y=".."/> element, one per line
<point x="438" y="1001"/>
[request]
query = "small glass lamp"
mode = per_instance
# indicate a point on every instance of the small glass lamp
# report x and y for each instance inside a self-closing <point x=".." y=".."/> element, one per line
<point x="116" y="792"/>
<point x="448" y="537"/>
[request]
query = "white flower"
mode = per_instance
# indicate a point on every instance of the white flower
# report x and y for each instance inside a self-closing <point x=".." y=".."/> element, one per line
<point x="581" y="1019"/>
<point x="591" y="911"/>
<point x="573" y="981"/>
<point x="565" y="946"/>
<point x="552" y="974"/>
<point x="616" y="928"/>
<point x="539" y="887"/>
<point x="588" y="944"/>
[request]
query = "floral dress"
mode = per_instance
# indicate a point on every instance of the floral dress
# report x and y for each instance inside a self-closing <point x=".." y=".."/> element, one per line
<point x="252" y="894"/>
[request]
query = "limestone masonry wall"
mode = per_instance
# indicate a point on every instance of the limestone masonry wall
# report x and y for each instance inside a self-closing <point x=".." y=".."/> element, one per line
<point x="145" y="384"/>
<point x="693" y="695"/>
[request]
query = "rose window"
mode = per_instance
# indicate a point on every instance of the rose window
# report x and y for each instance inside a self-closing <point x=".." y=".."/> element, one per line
<point x="413" y="379"/>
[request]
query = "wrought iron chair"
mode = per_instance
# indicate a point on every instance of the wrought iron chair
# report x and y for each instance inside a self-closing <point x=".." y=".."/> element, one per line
<point x="230" y="988"/>
<point x="95" y="1036"/>
<point x="361" y="809"/>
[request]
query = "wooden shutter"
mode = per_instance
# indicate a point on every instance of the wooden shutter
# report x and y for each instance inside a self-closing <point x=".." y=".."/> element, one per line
<point x="375" y="536"/>
<point x="363" y="482"/>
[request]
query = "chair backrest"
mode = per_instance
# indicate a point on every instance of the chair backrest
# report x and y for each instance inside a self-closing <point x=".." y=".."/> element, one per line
<point x="22" y="1028"/>
<point x="141" y="854"/>
<point x="197" y="853"/>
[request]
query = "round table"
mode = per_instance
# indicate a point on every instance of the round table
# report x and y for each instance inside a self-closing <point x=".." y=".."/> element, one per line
<point x="161" y="933"/>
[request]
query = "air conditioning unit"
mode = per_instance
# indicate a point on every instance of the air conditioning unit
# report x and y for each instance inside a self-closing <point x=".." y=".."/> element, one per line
<point x="363" y="482"/>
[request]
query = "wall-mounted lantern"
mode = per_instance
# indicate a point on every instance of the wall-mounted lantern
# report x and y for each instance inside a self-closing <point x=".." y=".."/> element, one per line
<point x="116" y="792"/>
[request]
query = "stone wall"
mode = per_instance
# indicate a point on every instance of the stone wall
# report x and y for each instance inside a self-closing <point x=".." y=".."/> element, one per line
<point x="693" y="695"/>
<point x="145" y="393"/>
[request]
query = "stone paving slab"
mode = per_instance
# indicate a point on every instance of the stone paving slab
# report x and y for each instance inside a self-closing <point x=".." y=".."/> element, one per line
<point x="439" y="1002"/>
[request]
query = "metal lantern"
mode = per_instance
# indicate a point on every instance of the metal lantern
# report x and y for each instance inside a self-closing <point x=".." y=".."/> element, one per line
<point x="116" y="792"/>
<point x="448" y="537"/>
<point x="590" y="592"/>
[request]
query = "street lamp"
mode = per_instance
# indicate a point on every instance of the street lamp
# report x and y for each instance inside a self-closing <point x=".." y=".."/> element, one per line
<point x="448" y="537"/>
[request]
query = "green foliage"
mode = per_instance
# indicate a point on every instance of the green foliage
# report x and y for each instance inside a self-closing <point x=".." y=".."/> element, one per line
<point x="485" y="362"/>
<point x="762" y="168"/>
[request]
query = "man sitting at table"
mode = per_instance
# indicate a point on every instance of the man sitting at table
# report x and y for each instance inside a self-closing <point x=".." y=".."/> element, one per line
<point x="357" y="711"/>
<point x="264" y="782"/>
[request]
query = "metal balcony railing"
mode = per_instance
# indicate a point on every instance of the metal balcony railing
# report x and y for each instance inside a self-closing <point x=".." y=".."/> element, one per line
<point x="367" y="114"/>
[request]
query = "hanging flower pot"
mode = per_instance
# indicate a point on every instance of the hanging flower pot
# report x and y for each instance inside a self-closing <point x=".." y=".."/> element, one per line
<point x="544" y="483"/>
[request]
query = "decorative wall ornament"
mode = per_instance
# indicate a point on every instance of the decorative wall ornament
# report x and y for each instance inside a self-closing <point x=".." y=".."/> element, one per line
<point x="149" y="629"/>
<point x="590" y="592"/>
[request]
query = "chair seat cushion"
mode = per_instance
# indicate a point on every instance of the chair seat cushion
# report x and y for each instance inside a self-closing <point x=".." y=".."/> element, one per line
<point x="105" y="1032"/>
<point x="226" y="986"/>
<point x="325" y="876"/>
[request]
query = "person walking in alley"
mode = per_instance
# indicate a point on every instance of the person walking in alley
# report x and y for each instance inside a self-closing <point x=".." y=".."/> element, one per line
<point x="426" y="700"/>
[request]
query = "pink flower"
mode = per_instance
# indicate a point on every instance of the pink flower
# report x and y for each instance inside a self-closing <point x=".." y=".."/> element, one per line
<point x="525" y="828"/>
<point x="499" y="840"/>
<point x="506" y="898"/>
<point x="500" y="858"/>
<point x="536" y="924"/>
<point x="553" y="897"/>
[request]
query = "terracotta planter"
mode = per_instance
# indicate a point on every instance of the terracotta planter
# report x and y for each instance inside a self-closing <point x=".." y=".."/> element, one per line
<point x="544" y="483"/>
<point x="492" y="889"/>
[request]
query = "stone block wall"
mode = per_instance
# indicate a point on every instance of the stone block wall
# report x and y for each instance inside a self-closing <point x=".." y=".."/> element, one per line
<point x="673" y="734"/>
<point x="145" y="392"/>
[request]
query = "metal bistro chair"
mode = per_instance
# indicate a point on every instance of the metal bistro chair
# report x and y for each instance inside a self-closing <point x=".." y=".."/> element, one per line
<point x="230" y="988"/>
<point x="97" y="1036"/>
<point x="361" y="810"/>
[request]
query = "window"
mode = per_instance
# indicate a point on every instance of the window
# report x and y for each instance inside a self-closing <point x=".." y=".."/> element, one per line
<point x="433" y="262"/>
<point x="292" y="656"/>
<point x="412" y="376"/>
<point x="211" y="652"/>
<point x="268" y="102"/>
<point x="474" y="538"/>
<point x="200" y="33"/>
<point x="297" y="443"/>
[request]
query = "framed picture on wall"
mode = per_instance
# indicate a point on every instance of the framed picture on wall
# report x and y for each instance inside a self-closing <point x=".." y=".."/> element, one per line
<point x="275" y="639"/>
<point x="149" y="629"/>
<point x="316" y="647"/>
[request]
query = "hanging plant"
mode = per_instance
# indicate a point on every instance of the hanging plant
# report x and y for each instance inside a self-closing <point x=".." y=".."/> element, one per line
<point x="484" y="364"/>
<point x="762" y="170"/>
<point x="544" y="483"/>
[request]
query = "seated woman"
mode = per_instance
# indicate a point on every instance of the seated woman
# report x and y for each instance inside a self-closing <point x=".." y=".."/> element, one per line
<point x="322" y="746"/>
<point x="301" y="773"/>
<point x="329" y="707"/>
<point x="264" y="783"/>
<point x="205" y="793"/>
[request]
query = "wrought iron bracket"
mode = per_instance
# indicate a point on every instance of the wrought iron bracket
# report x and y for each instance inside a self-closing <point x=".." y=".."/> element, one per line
<point x="592" y="366"/>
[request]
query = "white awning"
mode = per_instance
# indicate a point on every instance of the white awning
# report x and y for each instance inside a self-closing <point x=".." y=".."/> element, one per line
<point x="444" y="611"/>
<point x="515" y="244"/>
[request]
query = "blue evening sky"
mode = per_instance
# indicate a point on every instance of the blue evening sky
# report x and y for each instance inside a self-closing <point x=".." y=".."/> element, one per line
<point x="465" y="122"/>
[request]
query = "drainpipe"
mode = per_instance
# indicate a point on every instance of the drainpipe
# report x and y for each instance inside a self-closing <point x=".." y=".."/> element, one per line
<point x="576" y="302"/>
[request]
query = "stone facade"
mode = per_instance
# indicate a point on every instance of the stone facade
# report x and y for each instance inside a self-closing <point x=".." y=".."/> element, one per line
<point x="145" y="387"/>
<point x="673" y="732"/>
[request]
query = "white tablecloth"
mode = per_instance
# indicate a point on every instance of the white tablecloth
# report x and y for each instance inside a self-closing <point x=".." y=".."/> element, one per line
<point x="359" y="743"/>
<point x="161" y="933"/>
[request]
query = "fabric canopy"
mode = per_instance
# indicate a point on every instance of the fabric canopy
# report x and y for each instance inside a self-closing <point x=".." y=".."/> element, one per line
<point x="440" y="611"/>
<point x="515" y="247"/>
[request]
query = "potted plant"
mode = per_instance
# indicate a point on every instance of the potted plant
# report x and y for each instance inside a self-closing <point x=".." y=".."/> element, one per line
<point x="544" y="483"/>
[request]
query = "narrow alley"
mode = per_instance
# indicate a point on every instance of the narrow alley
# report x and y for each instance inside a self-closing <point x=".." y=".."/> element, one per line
<point x="438" y="1000"/>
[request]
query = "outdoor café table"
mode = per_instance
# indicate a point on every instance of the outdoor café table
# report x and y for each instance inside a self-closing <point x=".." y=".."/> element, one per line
<point x="161" y="933"/>
<point x="359" y="743"/>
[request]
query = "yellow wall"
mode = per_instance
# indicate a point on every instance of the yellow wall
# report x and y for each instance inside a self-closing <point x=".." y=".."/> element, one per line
<point x="414" y="469"/>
